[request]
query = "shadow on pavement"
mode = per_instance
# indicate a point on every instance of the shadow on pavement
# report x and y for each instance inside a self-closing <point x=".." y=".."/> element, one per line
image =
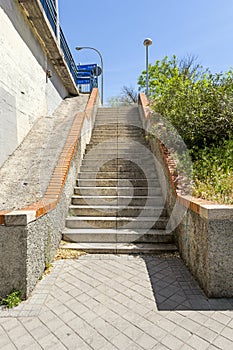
<point x="175" y="288"/>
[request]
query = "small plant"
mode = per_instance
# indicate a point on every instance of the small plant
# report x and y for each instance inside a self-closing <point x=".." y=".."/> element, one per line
<point x="13" y="299"/>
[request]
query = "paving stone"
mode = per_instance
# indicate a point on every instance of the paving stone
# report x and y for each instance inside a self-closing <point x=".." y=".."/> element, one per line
<point x="105" y="328"/>
<point x="198" y="343"/>
<point x="35" y="346"/>
<point x="8" y="347"/>
<point x="67" y="316"/>
<point x="187" y="347"/>
<point x="24" y="341"/>
<point x="89" y="316"/>
<point x="9" y="323"/>
<point x="133" y="332"/>
<point x="227" y="332"/>
<point x="160" y="347"/>
<point x="172" y="342"/>
<point x="146" y="341"/>
<point x="207" y="334"/>
<point x="214" y="325"/>
<point x="4" y="340"/>
<point x="114" y="320"/>
<point x="181" y="333"/>
<point x="166" y="325"/>
<point x="40" y="332"/>
<point x="223" y="343"/>
<point x="121" y="341"/>
<point x="17" y="332"/>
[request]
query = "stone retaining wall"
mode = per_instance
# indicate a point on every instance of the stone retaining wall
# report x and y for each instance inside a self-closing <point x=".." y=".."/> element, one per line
<point x="204" y="231"/>
<point x="30" y="236"/>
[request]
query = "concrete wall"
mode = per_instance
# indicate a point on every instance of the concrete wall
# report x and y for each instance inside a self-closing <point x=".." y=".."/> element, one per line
<point x="25" y="91"/>
<point x="30" y="236"/>
<point x="205" y="241"/>
<point x="203" y="231"/>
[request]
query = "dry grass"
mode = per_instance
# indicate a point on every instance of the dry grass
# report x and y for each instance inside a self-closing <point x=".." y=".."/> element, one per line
<point x="63" y="253"/>
<point x="68" y="254"/>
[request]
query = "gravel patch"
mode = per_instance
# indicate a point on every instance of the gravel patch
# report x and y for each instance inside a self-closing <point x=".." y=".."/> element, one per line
<point x="25" y="176"/>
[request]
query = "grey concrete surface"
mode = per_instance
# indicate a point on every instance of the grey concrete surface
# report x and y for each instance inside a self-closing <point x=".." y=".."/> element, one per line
<point x="27" y="172"/>
<point x="118" y="302"/>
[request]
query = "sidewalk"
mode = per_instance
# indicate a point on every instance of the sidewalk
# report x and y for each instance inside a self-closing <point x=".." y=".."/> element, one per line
<point x="118" y="302"/>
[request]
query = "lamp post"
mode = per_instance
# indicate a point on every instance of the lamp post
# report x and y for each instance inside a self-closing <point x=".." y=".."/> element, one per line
<point x="102" y="67"/>
<point x="147" y="42"/>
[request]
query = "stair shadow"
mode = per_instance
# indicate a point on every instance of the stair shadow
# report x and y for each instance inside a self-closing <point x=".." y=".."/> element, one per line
<point x="174" y="287"/>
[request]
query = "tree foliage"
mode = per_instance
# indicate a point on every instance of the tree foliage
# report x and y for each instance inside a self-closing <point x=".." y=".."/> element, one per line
<point x="198" y="103"/>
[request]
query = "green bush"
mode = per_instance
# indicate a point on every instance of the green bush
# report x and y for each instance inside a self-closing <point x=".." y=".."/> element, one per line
<point x="12" y="300"/>
<point x="199" y="105"/>
<point x="213" y="173"/>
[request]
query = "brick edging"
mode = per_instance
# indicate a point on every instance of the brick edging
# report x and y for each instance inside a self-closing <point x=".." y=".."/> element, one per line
<point x="204" y="208"/>
<point x="57" y="181"/>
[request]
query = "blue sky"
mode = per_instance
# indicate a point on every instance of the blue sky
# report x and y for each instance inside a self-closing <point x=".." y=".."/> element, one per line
<point x="203" y="28"/>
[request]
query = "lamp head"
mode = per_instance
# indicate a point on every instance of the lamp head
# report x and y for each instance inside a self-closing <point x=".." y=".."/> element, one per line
<point x="147" y="42"/>
<point x="78" y="48"/>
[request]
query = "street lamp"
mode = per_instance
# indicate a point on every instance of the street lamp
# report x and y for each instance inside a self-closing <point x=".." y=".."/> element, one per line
<point x="102" y="67"/>
<point x="147" y="42"/>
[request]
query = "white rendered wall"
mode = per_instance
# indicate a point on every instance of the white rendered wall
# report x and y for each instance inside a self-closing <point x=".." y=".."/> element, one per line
<point x="25" y="92"/>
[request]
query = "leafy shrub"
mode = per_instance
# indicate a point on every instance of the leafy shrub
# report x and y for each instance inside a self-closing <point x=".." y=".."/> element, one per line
<point x="199" y="105"/>
<point x="213" y="173"/>
<point x="12" y="300"/>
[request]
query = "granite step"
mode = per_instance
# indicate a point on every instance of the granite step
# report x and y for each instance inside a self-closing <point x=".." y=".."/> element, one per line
<point x="116" y="222"/>
<point x="117" y="236"/>
<point x="122" y="248"/>
<point x="116" y="210"/>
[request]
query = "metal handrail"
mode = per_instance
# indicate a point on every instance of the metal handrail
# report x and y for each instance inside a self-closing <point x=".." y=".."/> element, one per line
<point x="51" y="13"/>
<point x="68" y="56"/>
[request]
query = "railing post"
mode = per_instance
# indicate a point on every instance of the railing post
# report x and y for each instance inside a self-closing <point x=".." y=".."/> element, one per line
<point x="58" y="22"/>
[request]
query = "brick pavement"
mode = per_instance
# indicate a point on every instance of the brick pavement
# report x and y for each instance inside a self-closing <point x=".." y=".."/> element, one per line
<point x="118" y="302"/>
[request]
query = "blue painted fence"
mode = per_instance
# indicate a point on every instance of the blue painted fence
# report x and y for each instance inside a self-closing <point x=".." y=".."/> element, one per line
<point x="51" y="13"/>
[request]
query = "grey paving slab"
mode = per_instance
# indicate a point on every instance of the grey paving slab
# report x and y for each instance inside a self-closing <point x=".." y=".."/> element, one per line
<point x="118" y="302"/>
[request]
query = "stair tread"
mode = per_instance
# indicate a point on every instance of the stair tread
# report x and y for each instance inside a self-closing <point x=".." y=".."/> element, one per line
<point x="115" y="197"/>
<point x="117" y="218"/>
<point x="128" y="247"/>
<point x="115" y="231"/>
<point x="122" y="180"/>
<point x="109" y="187"/>
<point x="77" y="206"/>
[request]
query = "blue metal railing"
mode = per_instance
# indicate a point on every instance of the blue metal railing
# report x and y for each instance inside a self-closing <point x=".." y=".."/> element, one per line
<point x="68" y="56"/>
<point x="51" y="13"/>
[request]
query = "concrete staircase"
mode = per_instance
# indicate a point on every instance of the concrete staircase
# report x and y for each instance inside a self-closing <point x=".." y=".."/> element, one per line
<point x="117" y="206"/>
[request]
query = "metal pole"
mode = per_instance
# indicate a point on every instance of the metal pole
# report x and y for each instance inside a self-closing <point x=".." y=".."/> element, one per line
<point x="147" y="42"/>
<point x="102" y="67"/>
<point x="147" y="75"/>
